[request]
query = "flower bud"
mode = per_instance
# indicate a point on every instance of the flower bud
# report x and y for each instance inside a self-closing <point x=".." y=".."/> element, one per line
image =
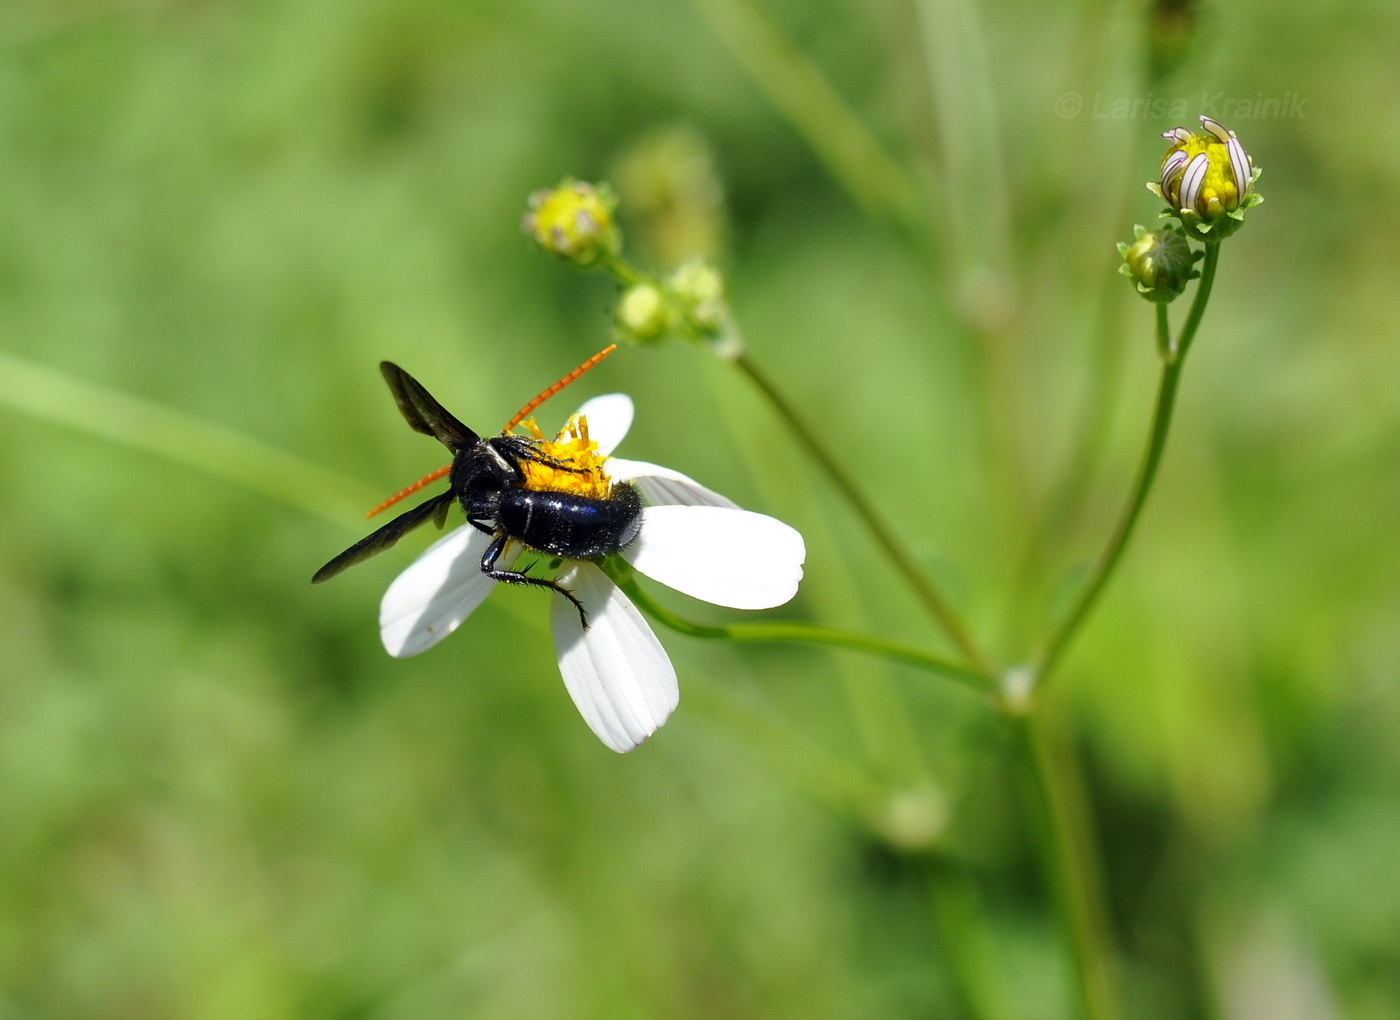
<point x="641" y="313"/>
<point x="574" y="221"/>
<point x="913" y="820"/>
<point x="1207" y="179"/>
<point x="697" y="293"/>
<point x="673" y="195"/>
<point x="699" y="287"/>
<point x="1160" y="263"/>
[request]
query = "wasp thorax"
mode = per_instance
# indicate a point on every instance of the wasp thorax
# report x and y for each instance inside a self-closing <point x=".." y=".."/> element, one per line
<point x="568" y="463"/>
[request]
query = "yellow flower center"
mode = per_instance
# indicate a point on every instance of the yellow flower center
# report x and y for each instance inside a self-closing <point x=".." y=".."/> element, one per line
<point x="574" y="220"/>
<point x="568" y="463"/>
<point x="1219" y="191"/>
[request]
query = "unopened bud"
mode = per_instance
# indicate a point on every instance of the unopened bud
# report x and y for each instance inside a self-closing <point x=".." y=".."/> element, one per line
<point x="913" y="820"/>
<point x="641" y="313"/>
<point x="1160" y="262"/>
<point x="699" y="287"/>
<point x="1208" y="179"/>
<point x="574" y="221"/>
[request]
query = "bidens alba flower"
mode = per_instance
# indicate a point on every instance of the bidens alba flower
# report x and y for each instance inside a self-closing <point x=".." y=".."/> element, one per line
<point x="690" y="539"/>
<point x="1207" y="179"/>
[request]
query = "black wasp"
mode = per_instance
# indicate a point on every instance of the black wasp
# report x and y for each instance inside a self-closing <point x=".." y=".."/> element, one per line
<point x="503" y="484"/>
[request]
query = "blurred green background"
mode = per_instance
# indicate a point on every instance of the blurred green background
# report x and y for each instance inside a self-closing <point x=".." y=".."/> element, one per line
<point x="219" y="798"/>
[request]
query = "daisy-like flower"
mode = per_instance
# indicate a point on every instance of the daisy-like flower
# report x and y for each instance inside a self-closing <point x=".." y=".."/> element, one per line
<point x="690" y="539"/>
<point x="1207" y="179"/>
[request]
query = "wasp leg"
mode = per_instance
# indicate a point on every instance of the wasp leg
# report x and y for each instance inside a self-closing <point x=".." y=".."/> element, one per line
<point x="531" y="454"/>
<point x="483" y="527"/>
<point x="489" y="568"/>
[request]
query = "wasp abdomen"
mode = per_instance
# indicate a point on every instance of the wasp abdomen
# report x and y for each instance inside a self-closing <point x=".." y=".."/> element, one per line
<point x="571" y="525"/>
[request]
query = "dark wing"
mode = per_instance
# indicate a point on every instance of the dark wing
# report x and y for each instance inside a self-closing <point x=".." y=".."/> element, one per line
<point x="374" y="544"/>
<point x="423" y="413"/>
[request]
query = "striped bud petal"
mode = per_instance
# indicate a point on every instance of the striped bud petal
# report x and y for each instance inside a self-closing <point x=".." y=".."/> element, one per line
<point x="1173" y="166"/>
<point x="1179" y="135"/>
<point x="1216" y="128"/>
<point x="1192" y="180"/>
<point x="1239" y="163"/>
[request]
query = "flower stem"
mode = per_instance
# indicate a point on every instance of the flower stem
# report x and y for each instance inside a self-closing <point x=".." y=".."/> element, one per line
<point x="1173" y="358"/>
<point x="1072" y="862"/>
<point x="799" y="632"/>
<point x="212" y="449"/>
<point x="966" y="938"/>
<point x="880" y="530"/>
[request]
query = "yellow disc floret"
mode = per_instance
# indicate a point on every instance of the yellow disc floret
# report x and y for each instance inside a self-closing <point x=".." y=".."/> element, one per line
<point x="574" y="221"/>
<point x="1208" y="180"/>
<point x="1217" y="191"/>
<point x="568" y="463"/>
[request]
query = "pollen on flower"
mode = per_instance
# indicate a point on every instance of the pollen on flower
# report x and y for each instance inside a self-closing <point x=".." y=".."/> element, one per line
<point x="1217" y="191"/>
<point x="568" y="463"/>
<point x="1208" y="180"/>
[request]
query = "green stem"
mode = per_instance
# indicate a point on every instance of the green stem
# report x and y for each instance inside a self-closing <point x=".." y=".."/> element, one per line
<point x="1198" y="305"/>
<point x="207" y="447"/>
<point x="626" y="274"/>
<point x="1164" y="332"/>
<point x="799" y="632"/>
<point x="966" y="938"/>
<point x="802" y="94"/>
<point x="1173" y="360"/>
<point x="1072" y="863"/>
<point x="879" y="529"/>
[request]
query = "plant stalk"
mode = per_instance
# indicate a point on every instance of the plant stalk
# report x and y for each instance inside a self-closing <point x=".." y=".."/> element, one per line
<point x="799" y="632"/>
<point x="1072" y="862"/>
<point x="1173" y="359"/>
<point x="880" y="530"/>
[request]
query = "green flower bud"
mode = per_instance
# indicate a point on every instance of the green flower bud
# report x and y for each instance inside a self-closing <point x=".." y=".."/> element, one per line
<point x="641" y="313"/>
<point x="696" y="290"/>
<point x="913" y="820"/>
<point x="574" y="221"/>
<point x="699" y="287"/>
<point x="1208" y="180"/>
<point x="1160" y="262"/>
<point x="673" y="195"/>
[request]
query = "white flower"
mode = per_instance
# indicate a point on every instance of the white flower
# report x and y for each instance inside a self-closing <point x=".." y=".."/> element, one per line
<point x="691" y="539"/>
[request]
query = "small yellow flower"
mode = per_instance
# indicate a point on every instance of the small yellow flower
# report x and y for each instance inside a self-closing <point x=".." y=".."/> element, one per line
<point x="574" y="221"/>
<point x="1207" y="179"/>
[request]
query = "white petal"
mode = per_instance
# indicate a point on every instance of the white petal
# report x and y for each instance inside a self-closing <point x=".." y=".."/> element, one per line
<point x="663" y="487"/>
<point x="1219" y="130"/>
<point x="729" y="557"/>
<point x="609" y="418"/>
<point x="430" y="599"/>
<point x="1239" y="164"/>
<point x="1173" y="164"/>
<point x="616" y="670"/>
<point x="1192" y="180"/>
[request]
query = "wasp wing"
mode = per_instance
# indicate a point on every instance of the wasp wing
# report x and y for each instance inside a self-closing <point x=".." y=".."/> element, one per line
<point x="434" y="509"/>
<point x="422" y="411"/>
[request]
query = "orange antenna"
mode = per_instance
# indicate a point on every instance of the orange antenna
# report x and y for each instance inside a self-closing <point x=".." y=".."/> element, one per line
<point x="425" y="480"/>
<point x="571" y="377"/>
